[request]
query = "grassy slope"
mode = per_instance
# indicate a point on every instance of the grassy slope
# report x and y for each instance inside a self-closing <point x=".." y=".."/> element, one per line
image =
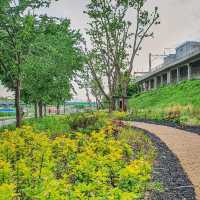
<point x="185" y="93"/>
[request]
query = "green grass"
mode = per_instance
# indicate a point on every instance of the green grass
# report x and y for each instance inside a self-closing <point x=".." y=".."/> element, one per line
<point x="178" y="103"/>
<point x="185" y="93"/>
<point x="6" y="114"/>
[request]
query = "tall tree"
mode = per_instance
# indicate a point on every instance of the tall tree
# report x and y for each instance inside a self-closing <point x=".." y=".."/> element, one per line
<point x="55" y="57"/>
<point x="96" y="92"/>
<point x="116" y="41"/>
<point x="17" y="31"/>
<point x="85" y="80"/>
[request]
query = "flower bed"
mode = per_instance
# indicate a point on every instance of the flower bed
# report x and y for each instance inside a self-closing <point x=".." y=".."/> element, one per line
<point x="109" y="163"/>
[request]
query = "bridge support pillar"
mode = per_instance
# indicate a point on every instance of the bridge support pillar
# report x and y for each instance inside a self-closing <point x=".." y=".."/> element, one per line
<point x="149" y="82"/>
<point x="155" y="82"/>
<point x="161" y="80"/>
<point x="168" y="77"/>
<point x="178" y="74"/>
<point x="146" y="86"/>
<point x="189" y="72"/>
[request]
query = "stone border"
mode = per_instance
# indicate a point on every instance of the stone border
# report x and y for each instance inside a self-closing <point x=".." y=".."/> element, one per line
<point x="192" y="129"/>
<point x="169" y="172"/>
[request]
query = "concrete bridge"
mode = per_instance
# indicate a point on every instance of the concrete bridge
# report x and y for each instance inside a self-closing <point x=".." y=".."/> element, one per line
<point x="183" y="65"/>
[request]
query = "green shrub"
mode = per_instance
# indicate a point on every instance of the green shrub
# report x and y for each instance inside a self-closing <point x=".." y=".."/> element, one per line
<point x="87" y="122"/>
<point x="141" y="144"/>
<point x="55" y="125"/>
<point x="109" y="163"/>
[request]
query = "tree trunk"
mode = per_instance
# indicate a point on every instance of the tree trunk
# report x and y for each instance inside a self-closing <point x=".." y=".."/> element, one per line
<point x="40" y="109"/>
<point x="100" y="104"/>
<point x="125" y="108"/>
<point x="125" y="101"/>
<point x="87" y="95"/>
<point x="45" y="110"/>
<point x="109" y="107"/>
<point x="36" y="110"/>
<point x="58" y="109"/>
<point x="97" y="103"/>
<point x="17" y="104"/>
<point x="113" y="103"/>
<point x="64" y="109"/>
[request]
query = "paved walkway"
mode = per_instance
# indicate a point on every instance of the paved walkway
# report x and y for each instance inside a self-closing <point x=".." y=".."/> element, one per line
<point x="184" y="144"/>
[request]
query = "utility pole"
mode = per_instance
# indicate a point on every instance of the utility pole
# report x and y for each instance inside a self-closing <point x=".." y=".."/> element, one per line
<point x="154" y="56"/>
<point x="151" y="58"/>
<point x="150" y="62"/>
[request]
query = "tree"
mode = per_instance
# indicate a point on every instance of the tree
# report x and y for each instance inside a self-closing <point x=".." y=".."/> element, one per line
<point x="96" y="92"/>
<point x="112" y="55"/>
<point x="85" y="80"/>
<point x="17" y="32"/>
<point x="54" y="59"/>
<point x="133" y="88"/>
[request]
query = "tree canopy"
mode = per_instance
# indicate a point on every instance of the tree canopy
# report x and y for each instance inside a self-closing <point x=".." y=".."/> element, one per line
<point x="116" y="41"/>
<point x="55" y="58"/>
<point x="38" y="54"/>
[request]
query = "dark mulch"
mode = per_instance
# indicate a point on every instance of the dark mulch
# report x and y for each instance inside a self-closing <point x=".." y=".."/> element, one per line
<point x="193" y="129"/>
<point x="169" y="172"/>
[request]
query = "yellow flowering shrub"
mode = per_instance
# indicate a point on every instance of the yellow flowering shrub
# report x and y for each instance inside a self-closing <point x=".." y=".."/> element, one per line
<point x="100" y="165"/>
<point x="119" y="115"/>
<point x="7" y="191"/>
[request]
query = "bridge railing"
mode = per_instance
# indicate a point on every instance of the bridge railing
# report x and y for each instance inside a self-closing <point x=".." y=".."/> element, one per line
<point x="186" y="55"/>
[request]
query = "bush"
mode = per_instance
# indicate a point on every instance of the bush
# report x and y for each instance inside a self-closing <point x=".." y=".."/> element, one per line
<point x="87" y="122"/>
<point x="55" y="125"/>
<point x="141" y="144"/>
<point x="119" y="115"/>
<point x="109" y="163"/>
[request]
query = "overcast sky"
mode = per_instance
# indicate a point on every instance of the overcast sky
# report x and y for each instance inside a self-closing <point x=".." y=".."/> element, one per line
<point x="180" y="21"/>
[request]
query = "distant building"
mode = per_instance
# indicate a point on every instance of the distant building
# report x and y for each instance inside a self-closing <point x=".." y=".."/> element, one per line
<point x="183" y="65"/>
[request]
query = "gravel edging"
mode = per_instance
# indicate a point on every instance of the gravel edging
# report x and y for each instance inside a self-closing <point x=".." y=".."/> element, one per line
<point x="169" y="172"/>
<point x="192" y="129"/>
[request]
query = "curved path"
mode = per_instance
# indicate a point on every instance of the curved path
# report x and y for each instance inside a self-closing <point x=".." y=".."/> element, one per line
<point x="185" y="145"/>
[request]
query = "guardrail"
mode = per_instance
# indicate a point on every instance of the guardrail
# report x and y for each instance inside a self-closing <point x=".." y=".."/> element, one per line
<point x="185" y="56"/>
<point x="170" y="64"/>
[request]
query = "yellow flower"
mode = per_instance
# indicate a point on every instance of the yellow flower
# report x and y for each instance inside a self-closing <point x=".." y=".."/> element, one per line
<point x="7" y="191"/>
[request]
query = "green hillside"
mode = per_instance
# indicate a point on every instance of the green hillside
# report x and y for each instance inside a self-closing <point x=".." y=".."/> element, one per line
<point x="179" y="103"/>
